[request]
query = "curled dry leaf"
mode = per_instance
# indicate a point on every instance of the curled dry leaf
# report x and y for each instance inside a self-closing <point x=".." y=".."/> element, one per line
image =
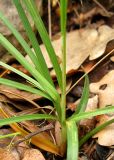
<point x="105" y="89"/>
<point x="33" y="154"/>
<point x="94" y="45"/>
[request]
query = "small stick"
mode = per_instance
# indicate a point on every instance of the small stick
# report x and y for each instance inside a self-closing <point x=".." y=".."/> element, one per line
<point x="102" y="7"/>
<point x="89" y="71"/>
<point x="29" y="136"/>
<point x="49" y="18"/>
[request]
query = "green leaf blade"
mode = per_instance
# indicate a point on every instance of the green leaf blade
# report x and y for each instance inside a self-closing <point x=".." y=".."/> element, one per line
<point x="84" y="99"/>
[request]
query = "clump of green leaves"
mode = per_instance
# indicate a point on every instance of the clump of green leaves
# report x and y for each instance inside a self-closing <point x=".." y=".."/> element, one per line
<point x="41" y="82"/>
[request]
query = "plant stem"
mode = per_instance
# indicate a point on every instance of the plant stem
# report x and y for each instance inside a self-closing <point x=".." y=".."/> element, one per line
<point x="63" y="8"/>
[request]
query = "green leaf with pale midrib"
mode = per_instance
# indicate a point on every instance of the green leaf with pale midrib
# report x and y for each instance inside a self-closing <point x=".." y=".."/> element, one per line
<point x="41" y="64"/>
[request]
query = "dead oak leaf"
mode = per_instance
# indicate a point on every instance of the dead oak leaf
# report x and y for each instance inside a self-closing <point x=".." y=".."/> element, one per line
<point x="15" y="94"/>
<point x="80" y="45"/>
<point x="92" y="105"/>
<point x="33" y="154"/>
<point x="105" y="34"/>
<point x="8" y="155"/>
<point x="105" y="89"/>
<point x="105" y="136"/>
<point x="77" y="48"/>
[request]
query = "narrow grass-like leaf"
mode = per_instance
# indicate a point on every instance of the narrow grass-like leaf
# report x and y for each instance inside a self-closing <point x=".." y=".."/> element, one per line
<point x="39" y="57"/>
<point x="9" y="135"/>
<point x="29" y="79"/>
<point x="25" y="118"/>
<point x="72" y="141"/>
<point x="42" y="81"/>
<point x="94" y="131"/>
<point x="23" y="87"/>
<point x="85" y="115"/>
<point x="45" y="38"/>
<point x="84" y="99"/>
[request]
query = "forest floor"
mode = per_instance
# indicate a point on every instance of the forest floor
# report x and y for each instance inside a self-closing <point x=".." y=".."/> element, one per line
<point x="90" y="40"/>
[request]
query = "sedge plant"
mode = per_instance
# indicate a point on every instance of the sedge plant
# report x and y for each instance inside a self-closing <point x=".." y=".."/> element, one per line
<point x="41" y="81"/>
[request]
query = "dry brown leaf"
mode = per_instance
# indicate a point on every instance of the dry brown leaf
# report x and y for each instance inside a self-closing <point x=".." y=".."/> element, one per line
<point x="15" y="104"/>
<point x="112" y="58"/>
<point x="58" y="133"/>
<point x="33" y="154"/>
<point x="5" y="154"/>
<point x="105" y="89"/>
<point x="4" y="142"/>
<point x="91" y="105"/>
<point x="105" y="136"/>
<point x="81" y="44"/>
<point x="16" y="94"/>
<point x="76" y="52"/>
<point x="105" y="34"/>
<point x="68" y="85"/>
<point x="40" y="140"/>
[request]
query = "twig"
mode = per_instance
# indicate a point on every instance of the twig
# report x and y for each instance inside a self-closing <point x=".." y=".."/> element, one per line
<point x="90" y="70"/>
<point x="102" y="7"/>
<point x="29" y="136"/>
<point x="49" y="18"/>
